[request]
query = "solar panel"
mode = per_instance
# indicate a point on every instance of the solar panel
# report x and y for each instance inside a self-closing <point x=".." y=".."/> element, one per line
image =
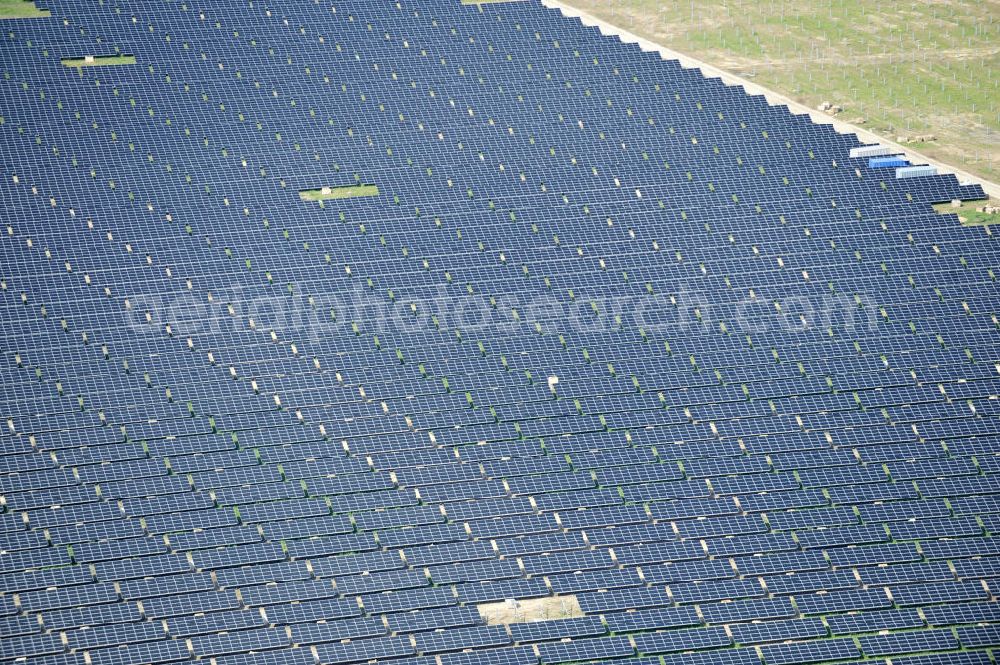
<point x="93" y="615"/>
<point x="214" y="622"/>
<point x="159" y="652"/>
<point x="669" y="617"/>
<point x="462" y="638"/>
<point x="909" y="642"/>
<point x="445" y="617"/>
<point x="586" y="649"/>
<point x="325" y="324"/>
<point x="747" y="610"/>
<point x="363" y="650"/>
<point x="312" y="610"/>
<point x="282" y="657"/>
<point x="239" y="641"/>
<point x="870" y="622"/>
<point x="114" y="635"/>
<point x="805" y="652"/>
<point x="682" y="640"/>
<point x="723" y="657"/>
<point x="778" y="631"/>
<point x="961" y="658"/>
<point x="496" y="590"/>
<point x="508" y="656"/>
<point x="978" y="636"/>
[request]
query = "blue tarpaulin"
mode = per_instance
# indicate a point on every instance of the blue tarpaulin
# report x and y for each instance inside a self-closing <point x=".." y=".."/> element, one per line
<point x="887" y="162"/>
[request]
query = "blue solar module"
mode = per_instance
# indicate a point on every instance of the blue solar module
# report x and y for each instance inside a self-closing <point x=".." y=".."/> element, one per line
<point x="723" y="657"/>
<point x="239" y="641"/>
<point x="978" y="636"/>
<point x="908" y="642"/>
<point x="594" y="580"/>
<point x="810" y="652"/>
<point x="312" y="610"/>
<point x="497" y="590"/>
<point x="282" y="657"/>
<point x="420" y="620"/>
<point x="509" y="656"/>
<point x="960" y="658"/>
<point x="586" y="649"/>
<point x="214" y="623"/>
<point x="363" y="650"/>
<point x="682" y="640"/>
<point x="778" y="631"/>
<point x="959" y="613"/>
<point x="870" y="622"/>
<point x="623" y="599"/>
<point x="332" y="631"/>
<point x="843" y="601"/>
<point x="639" y="620"/>
<point x="540" y="631"/>
<point x="327" y="324"/>
<point x="748" y="610"/>
<point x="458" y="639"/>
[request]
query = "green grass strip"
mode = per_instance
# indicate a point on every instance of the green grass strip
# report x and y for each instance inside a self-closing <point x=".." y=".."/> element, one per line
<point x="99" y="61"/>
<point x="349" y="192"/>
<point x="967" y="213"/>
<point x="21" y="9"/>
<point x="974" y="218"/>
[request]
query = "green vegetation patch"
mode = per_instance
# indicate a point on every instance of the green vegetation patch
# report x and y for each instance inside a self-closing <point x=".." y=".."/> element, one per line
<point x="970" y="212"/>
<point x="327" y="193"/>
<point x="99" y="61"/>
<point x="919" y="73"/>
<point x="978" y="219"/>
<point x="21" y="9"/>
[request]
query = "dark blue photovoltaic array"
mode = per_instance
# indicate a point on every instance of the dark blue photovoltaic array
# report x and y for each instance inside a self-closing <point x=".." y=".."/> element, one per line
<point x="610" y="334"/>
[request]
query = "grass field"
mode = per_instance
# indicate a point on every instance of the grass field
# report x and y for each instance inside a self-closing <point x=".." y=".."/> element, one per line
<point x="969" y="216"/>
<point x="20" y="9"/>
<point x="900" y="69"/>
<point x="328" y="193"/>
<point x="100" y="61"/>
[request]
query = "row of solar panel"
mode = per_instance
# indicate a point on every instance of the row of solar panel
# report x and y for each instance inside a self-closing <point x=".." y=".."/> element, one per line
<point x="263" y="639"/>
<point x="839" y="600"/>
